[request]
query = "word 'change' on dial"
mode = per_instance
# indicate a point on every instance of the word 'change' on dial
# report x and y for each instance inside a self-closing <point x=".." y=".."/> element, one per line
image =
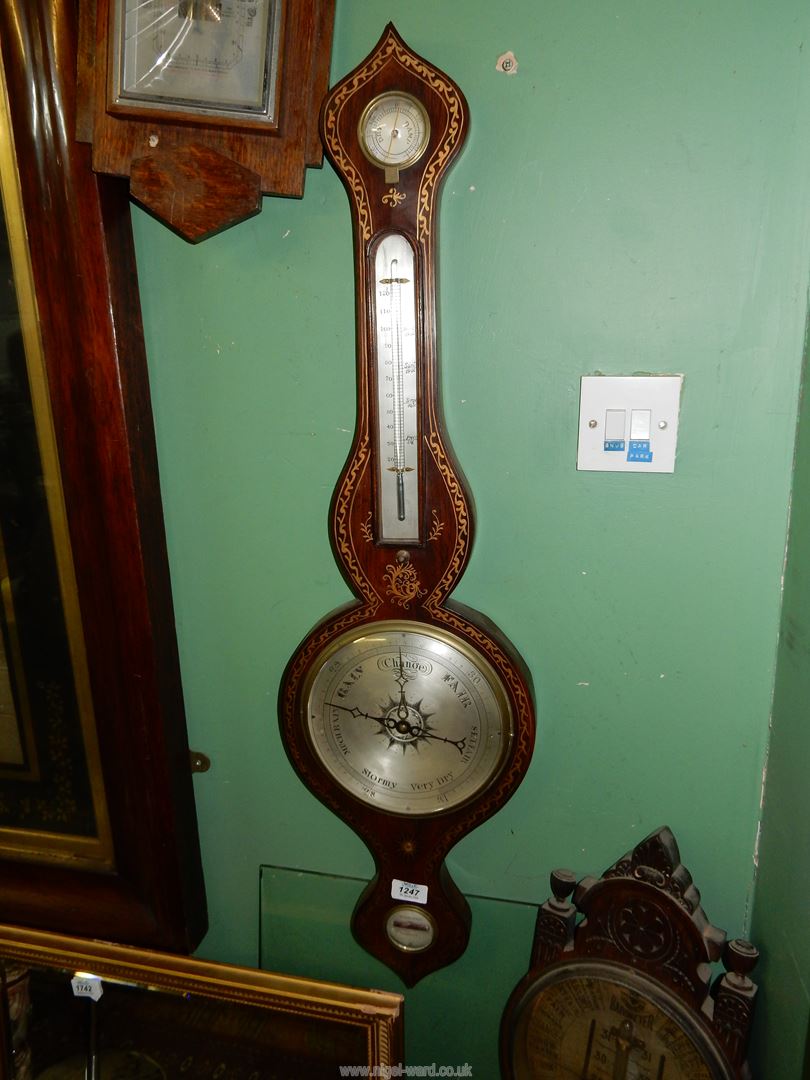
<point x="412" y="721"/>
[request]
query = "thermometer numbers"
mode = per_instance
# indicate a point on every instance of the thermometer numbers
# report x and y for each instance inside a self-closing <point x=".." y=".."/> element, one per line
<point x="398" y="516"/>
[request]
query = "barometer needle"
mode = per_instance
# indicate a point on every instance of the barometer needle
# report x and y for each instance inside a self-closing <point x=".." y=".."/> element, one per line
<point x="588" y="1050"/>
<point x="401" y="727"/>
<point x="459" y="744"/>
<point x="394" y="133"/>
<point x="624" y="1044"/>
<point x="621" y="1063"/>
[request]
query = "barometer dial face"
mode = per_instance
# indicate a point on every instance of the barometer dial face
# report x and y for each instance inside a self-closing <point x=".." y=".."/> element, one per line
<point x="394" y="130"/>
<point x="606" y="1023"/>
<point x="210" y="56"/>
<point x="407" y="718"/>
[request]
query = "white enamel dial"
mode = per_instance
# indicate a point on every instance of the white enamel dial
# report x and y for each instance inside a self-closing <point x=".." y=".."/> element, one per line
<point x="394" y="130"/>
<point x="407" y="718"/>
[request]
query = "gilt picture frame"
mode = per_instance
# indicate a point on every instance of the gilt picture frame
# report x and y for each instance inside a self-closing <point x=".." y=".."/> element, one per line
<point x="155" y="1014"/>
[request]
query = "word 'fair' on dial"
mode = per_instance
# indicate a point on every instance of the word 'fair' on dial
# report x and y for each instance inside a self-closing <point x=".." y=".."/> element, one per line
<point x="412" y="721"/>
<point x="394" y="130"/>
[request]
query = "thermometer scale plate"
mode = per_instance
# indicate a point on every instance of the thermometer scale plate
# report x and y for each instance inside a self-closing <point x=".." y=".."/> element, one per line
<point x="397" y="390"/>
<point x="408" y="715"/>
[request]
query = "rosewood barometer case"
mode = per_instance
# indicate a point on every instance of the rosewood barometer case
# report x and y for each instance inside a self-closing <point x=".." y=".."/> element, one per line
<point x="408" y="715"/>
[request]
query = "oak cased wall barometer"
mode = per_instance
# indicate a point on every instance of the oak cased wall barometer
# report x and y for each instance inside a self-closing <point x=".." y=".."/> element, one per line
<point x="204" y="104"/>
<point x="620" y="984"/>
<point x="409" y="715"/>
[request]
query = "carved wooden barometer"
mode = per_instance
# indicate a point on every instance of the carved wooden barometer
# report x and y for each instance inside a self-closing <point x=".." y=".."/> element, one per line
<point x="627" y="991"/>
<point x="204" y="104"/>
<point x="410" y="716"/>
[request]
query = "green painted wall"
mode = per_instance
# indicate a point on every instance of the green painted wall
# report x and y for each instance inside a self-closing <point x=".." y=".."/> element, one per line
<point x="636" y="198"/>
<point x="781" y="927"/>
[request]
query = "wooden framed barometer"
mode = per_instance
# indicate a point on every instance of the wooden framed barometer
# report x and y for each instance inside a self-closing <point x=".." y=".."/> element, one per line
<point x="408" y="715"/>
<point x="204" y="104"/>
<point x="620" y="985"/>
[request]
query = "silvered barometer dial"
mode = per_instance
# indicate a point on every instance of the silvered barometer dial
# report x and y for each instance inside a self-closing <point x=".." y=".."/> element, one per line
<point x="407" y="718"/>
<point x="394" y="130"/>
<point x="408" y="715"/>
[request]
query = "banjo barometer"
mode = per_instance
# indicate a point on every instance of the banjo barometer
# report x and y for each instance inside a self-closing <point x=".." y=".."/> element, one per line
<point x="408" y="715"/>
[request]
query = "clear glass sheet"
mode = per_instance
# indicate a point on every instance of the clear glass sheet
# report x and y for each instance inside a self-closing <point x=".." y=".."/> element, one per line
<point x="451" y="1017"/>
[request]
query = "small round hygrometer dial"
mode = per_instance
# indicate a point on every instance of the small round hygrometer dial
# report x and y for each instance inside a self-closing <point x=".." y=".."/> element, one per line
<point x="394" y="130"/>
<point x="407" y="718"/>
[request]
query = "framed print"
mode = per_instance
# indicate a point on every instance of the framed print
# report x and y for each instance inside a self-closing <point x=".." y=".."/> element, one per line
<point x="73" y="1007"/>
<point x="52" y="802"/>
<point x="98" y="831"/>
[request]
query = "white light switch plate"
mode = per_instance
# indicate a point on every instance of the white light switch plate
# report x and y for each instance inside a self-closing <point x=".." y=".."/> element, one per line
<point x="628" y="423"/>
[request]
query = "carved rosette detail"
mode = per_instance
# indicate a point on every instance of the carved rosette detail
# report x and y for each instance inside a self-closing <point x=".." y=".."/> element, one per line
<point x="642" y="928"/>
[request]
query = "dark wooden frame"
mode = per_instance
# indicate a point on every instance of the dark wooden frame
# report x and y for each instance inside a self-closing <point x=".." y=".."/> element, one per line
<point x="83" y="265"/>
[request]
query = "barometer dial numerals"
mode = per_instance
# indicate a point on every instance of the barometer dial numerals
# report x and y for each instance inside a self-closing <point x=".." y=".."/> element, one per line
<point x="394" y="130"/>
<point x="596" y="1022"/>
<point x="407" y="718"/>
